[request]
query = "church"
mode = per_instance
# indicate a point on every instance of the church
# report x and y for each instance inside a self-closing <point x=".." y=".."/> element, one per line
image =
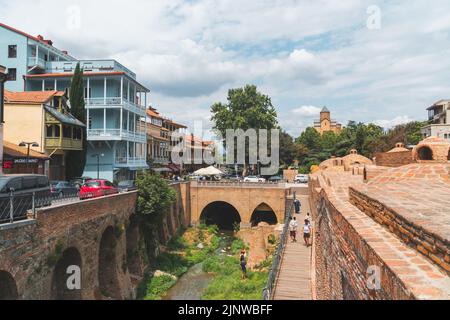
<point x="326" y="124"/>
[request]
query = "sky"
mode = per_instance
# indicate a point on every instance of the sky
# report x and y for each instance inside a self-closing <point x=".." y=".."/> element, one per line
<point x="370" y="61"/>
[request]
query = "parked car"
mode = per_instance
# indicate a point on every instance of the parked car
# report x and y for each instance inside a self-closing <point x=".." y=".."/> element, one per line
<point x="301" y="178"/>
<point x="60" y="189"/>
<point x="254" y="179"/>
<point x="276" y="179"/>
<point x="22" y="188"/>
<point x="97" y="188"/>
<point x="126" y="186"/>
<point x="78" y="182"/>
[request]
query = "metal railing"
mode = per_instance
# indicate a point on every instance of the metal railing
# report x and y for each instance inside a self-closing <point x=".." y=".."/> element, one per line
<point x="274" y="271"/>
<point x="19" y="207"/>
<point x="237" y="184"/>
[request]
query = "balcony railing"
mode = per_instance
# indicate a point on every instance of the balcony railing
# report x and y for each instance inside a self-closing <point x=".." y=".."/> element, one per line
<point x="65" y="143"/>
<point x="116" y="134"/>
<point x="131" y="162"/>
<point x="115" y="101"/>
<point x="33" y="61"/>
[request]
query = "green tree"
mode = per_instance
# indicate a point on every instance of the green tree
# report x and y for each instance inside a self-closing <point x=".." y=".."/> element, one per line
<point x="288" y="149"/>
<point x="155" y="197"/>
<point x="247" y="108"/>
<point x="310" y="138"/>
<point x="76" y="160"/>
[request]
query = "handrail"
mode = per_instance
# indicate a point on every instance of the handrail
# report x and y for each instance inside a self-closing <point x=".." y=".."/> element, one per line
<point x="268" y="290"/>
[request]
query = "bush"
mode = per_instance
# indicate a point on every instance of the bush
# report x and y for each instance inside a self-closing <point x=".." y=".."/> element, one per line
<point x="158" y="287"/>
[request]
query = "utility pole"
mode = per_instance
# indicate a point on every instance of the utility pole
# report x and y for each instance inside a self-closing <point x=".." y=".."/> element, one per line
<point x="98" y="163"/>
<point x="28" y="145"/>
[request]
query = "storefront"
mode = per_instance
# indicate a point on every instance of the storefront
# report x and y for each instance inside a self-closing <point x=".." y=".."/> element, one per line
<point x="17" y="161"/>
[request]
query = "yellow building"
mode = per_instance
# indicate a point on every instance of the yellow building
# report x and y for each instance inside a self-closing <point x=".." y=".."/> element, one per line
<point x="326" y="124"/>
<point x="44" y="118"/>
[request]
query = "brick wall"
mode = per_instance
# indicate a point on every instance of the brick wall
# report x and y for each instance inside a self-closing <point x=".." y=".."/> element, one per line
<point x="30" y="250"/>
<point x="394" y="159"/>
<point x="431" y="245"/>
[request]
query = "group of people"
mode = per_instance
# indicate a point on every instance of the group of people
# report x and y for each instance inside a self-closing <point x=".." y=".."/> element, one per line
<point x="294" y="225"/>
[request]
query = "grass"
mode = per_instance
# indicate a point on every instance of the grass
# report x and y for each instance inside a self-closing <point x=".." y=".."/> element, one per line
<point x="227" y="283"/>
<point x="183" y="253"/>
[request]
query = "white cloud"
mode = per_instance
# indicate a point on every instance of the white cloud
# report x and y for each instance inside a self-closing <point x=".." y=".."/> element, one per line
<point x="299" y="52"/>
<point x="307" y="111"/>
<point x="388" y="124"/>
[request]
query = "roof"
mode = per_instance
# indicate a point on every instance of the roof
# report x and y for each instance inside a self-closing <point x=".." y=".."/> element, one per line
<point x="175" y="124"/>
<point x="15" y="151"/>
<point x="70" y="74"/>
<point x="29" y="36"/>
<point x="32" y="97"/>
<point x="325" y="109"/>
<point x="64" y="118"/>
<point x="153" y="113"/>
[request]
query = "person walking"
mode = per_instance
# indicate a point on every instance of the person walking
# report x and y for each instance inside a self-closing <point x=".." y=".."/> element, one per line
<point x="243" y="262"/>
<point x="293" y="228"/>
<point x="307" y="232"/>
<point x="308" y="217"/>
<point x="298" y="206"/>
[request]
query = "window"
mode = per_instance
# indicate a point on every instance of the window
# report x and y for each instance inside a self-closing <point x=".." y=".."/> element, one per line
<point x="12" y="51"/>
<point x="12" y="74"/>
<point x="57" y="131"/>
<point x="49" y="131"/>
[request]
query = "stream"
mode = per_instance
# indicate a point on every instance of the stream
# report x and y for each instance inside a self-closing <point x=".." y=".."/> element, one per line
<point x="194" y="282"/>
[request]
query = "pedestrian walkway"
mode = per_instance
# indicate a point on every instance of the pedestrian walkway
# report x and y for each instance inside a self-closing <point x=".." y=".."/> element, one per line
<point x="294" y="279"/>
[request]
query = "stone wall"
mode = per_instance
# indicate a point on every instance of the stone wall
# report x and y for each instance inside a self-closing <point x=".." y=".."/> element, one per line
<point x="31" y="251"/>
<point x="394" y="159"/>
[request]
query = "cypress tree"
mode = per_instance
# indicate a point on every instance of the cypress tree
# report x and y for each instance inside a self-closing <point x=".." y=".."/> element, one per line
<point x="76" y="160"/>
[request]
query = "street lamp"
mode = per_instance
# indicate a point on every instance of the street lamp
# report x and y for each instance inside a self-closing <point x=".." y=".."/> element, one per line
<point x="28" y="145"/>
<point x="98" y="155"/>
<point x="3" y="79"/>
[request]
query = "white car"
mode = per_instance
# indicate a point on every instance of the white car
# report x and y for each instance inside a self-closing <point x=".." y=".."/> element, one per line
<point x="254" y="179"/>
<point x="301" y="178"/>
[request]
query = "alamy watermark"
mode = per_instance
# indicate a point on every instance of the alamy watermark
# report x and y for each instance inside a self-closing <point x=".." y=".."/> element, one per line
<point x="258" y="147"/>
<point x="374" y="19"/>
<point x="74" y="278"/>
<point x="374" y="278"/>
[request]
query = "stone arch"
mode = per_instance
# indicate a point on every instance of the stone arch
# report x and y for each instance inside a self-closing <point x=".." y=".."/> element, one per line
<point x="222" y="214"/>
<point x="133" y="257"/>
<point x="107" y="265"/>
<point x="263" y="213"/>
<point x="60" y="291"/>
<point x="8" y="287"/>
<point x="425" y="153"/>
<point x="448" y="156"/>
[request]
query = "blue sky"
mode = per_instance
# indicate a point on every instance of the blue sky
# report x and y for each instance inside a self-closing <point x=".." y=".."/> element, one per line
<point x="304" y="54"/>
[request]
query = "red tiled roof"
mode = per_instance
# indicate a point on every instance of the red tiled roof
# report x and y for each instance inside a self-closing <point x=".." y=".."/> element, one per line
<point x="153" y="113"/>
<point x="69" y="74"/>
<point x="15" y="151"/>
<point x="32" y="97"/>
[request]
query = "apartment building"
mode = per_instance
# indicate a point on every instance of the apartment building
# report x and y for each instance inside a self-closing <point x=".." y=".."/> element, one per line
<point x="115" y="100"/>
<point x="439" y="121"/>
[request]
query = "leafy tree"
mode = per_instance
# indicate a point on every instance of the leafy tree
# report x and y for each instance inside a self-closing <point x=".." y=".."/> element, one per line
<point x="246" y="108"/>
<point x="288" y="150"/>
<point x="76" y="160"/>
<point x="310" y="138"/>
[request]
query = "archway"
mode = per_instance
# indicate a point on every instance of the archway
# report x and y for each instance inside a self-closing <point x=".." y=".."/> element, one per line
<point x="133" y="258"/>
<point x="448" y="157"/>
<point x="425" y="153"/>
<point x="60" y="290"/>
<point x="107" y="271"/>
<point x="222" y="214"/>
<point x="263" y="213"/>
<point x="8" y="287"/>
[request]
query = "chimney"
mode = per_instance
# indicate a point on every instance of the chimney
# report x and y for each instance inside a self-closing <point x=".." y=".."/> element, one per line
<point x="65" y="52"/>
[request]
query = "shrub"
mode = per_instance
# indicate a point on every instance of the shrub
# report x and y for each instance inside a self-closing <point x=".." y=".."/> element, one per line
<point x="158" y="287"/>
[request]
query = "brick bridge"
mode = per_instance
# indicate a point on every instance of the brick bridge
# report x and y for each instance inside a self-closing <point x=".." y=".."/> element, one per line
<point x="223" y="203"/>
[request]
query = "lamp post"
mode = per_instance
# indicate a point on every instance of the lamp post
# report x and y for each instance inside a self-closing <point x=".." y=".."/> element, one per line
<point x="28" y="145"/>
<point x="3" y="79"/>
<point x="98" y="155"/>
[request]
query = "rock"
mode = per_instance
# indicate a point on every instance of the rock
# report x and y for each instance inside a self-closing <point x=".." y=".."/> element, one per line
<point x="159" y="273"/>
<point x="200" y="246"/>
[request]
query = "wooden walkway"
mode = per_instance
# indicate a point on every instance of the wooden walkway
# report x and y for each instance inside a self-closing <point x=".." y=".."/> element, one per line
<point x="294" y="279"/>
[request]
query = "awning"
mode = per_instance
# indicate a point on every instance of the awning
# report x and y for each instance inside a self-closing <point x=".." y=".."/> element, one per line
<point x="64" y="118"/>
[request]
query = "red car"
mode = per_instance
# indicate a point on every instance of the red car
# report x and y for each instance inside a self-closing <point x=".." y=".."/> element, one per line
<point x="97" y="188"/>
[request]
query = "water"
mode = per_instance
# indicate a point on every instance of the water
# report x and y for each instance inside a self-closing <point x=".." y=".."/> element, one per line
<point x="194" y="282"/>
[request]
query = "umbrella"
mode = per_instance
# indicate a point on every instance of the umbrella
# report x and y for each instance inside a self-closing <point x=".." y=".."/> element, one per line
<point x="210" y="171"/>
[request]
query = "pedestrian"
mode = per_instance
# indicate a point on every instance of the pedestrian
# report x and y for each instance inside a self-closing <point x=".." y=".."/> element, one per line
<point x="308" y="217"/>
<point x="307" y="232"/>
<point x="243" y="265"/>
<point x="293" y="228"/>
<point x="298" y="206"/>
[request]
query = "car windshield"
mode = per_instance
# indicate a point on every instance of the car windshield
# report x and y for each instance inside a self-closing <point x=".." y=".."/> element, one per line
<point x="93" y="184"/>
<point x="54" y="183"/>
